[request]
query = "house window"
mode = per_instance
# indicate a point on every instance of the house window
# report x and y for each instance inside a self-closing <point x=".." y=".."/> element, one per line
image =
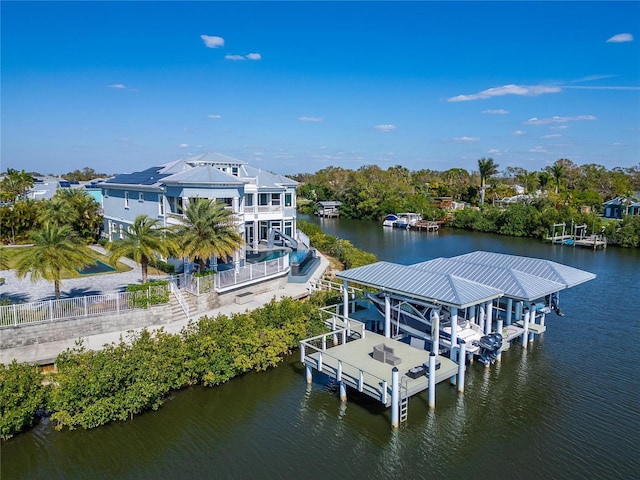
<point x="121" y="230"/>
<point x="288" y="199"/>
<point x="227" y="201"/>
<point x="234" y="171"/>
<point x="140" y="196"/>
<point x="264" y="230"/>
<point x="263" y="199"/>
<point x="126" y="199"/>
<point x="248" y="200"/>
<point x="275" y="199"/>
<point x="160" y="205"/>
<point x="288" y="228"/>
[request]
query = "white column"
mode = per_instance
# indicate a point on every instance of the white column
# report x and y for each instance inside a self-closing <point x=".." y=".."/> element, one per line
<point x="432" y="380"/>
<point x="345" y="299"/>
<point x="481" y="319"/>
<point x="526" y="328"/>
<point x="519" y="306"/>
<point x="461" y="365"/>
<point x="488" y="323"/>
<point x="435" y="331"/>
<point x="387" y="316"/>
<point x="454" y="332"/>
<point x="395" y="398"/>
<point x="509" y="307"/>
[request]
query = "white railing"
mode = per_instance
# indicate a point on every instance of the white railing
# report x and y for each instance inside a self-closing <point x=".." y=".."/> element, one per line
<point x="181" y="300"/>
<point x="314" y="350"/>
<point x="251" y="273"/>
<point x="91" y="305"/>
<point x="303" y="238"/>
<point x="232" y="278"/>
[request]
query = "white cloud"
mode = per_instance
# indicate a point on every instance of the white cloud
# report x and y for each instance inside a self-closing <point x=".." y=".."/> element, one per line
<point x="466" y="139"/>
<point x="214" y="116"/>
<point x="551" y="135"/>
<point x="544" y="121"/>
<point x="538" y="149"/>
<point x="117" y="85"/>
<point x="250" y="56"/>
<point x="518" y="132"/>
<point x="385" y="128"/>
<point x="559" y="127"/>
<point x="621" y="38"/>
<point x="500" y="111"/>
<point x="523" y="90"/>
<point x="493" y="151"/>
<point x="212" y="41"/>
<point x="184" y="145"/>
<point x="310" y="119"/>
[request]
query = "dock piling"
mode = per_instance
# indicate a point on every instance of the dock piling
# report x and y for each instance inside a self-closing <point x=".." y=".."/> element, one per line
<point x="432" y="380"/>
<point x="395" y="398"/>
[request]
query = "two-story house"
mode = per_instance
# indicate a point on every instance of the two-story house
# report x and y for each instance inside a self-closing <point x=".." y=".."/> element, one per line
<point x="261" y="201"/>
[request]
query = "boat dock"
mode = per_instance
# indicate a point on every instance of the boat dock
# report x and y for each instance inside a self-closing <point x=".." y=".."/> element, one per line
<point x="576" y="239"/>
<point x="435" y="316"/>
<point x="429" y="226"/>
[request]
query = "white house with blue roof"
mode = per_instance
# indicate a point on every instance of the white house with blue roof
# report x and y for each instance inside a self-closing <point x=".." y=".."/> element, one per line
<point x="263" y="202"/>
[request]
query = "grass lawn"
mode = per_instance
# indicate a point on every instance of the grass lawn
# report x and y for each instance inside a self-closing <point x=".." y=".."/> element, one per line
<point x="120" y="267"/>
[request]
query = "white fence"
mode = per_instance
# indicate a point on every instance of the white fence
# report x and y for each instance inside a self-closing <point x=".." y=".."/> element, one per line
<point x="92" y="305"/>
<point x="233" y="278"/>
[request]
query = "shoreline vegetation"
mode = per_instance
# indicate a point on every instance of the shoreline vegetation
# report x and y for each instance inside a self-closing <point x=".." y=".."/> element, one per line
<point x="560" y="193"/>
<point x="93" y="388"/>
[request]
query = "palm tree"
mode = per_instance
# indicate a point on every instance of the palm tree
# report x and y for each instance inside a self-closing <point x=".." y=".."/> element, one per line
<point x="57" y="251"/>
<point x="143" y="242"/>
<point x="627" y="198"/>
<point x="543" y="179"/>
<point x="208" y="229"/>
<point x="15" y="184"/>
<point x="557" y="172"/>
<point x="487" y="167"/>
<point x="86" y="217"/>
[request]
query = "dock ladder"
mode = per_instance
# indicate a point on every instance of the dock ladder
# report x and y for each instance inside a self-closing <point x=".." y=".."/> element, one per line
<point x="404" y="399"/>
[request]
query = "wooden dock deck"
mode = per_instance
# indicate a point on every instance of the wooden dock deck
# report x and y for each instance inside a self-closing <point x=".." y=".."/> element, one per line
<point x="353" y="363"/>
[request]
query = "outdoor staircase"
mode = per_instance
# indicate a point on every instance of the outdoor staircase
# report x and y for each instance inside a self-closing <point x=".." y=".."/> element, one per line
<point x="177" y="313"/>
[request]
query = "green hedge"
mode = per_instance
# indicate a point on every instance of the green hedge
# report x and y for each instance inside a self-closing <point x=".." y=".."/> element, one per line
<point x="150" y="293"/>
<point x="22" y="397"/>
<point x="92" y="388"/>
<point x="343" y="250"/>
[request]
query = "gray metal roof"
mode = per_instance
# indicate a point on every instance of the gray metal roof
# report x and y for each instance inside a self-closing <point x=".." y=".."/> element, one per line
<point x="421" y="284"/>
<point x="205" y="175"/>
<point x="514" y="283"/>
<point x="544" y="269"/>
<point x="265" y="178"/>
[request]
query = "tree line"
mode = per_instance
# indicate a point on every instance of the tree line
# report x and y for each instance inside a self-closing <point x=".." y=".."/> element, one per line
<point x="371" y="192"/>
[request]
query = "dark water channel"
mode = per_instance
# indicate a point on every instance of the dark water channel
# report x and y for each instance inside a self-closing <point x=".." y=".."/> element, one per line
<point x="568" y="407"/>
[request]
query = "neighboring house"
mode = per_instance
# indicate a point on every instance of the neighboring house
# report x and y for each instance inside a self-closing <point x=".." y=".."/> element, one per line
<point x="261" y="201"/>
<point x="328" y="209"/>
<point x="46" y="187"/>
<point x="617" y="207"/>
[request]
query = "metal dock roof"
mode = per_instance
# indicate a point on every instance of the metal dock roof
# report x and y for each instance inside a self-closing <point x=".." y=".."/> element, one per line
<point x="545" y="269"/>
<point x="422" y="284"/>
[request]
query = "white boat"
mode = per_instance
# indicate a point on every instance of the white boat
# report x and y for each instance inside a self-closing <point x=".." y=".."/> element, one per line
<point x="401" y="220"/>
<point x="390" y="220"/>
<point x="414" y="318"/>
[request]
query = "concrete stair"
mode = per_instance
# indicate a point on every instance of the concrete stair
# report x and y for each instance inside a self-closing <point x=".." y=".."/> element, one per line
<point x="176" y="310"/>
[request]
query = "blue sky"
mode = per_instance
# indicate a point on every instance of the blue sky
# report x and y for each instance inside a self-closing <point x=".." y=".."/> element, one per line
<point x="294" y="87"/>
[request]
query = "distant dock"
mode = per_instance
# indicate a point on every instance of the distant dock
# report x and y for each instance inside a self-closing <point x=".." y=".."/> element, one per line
<point x="576" y="239"/>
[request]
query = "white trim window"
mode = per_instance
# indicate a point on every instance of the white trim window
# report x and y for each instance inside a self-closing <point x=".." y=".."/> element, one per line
<point x="141" y="196"/>
<point x="160" y="205"/>
<point x="126" y="199"/>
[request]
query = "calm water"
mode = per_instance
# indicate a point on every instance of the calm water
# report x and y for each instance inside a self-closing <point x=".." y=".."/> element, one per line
<point x="566" y="408"/>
